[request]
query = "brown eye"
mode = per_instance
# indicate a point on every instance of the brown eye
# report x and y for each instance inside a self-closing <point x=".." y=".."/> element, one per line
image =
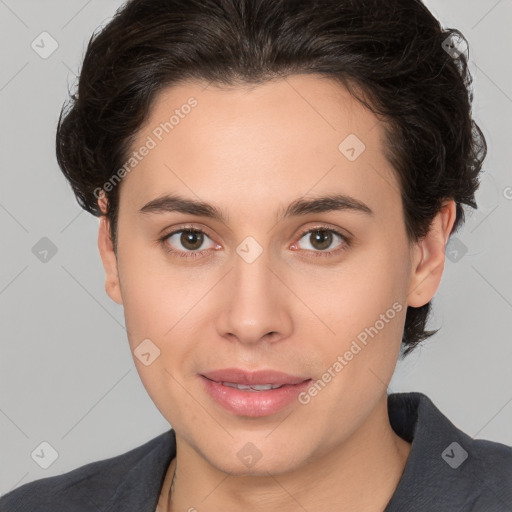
<point x="191" y="240"/>
<point x="187" y="243"/>
<point x="319" y="240"/>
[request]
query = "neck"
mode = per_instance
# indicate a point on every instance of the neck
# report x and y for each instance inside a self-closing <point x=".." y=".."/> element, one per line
<point x="362" y="474"/>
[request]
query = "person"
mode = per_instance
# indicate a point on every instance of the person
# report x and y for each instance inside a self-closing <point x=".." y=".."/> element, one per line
<point x="276" y="183"/>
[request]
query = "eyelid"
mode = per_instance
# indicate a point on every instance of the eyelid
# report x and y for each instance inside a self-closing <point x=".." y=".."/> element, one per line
<point x="347" y="240"/>
<point x="187" y="227"/>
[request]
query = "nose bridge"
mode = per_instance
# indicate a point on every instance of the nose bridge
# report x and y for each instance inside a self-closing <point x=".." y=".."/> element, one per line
<point x="251" y="271"/>
<point x="256" y="305"/>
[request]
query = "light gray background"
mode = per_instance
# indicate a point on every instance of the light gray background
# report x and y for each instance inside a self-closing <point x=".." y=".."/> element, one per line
<point x="66" y="373"/>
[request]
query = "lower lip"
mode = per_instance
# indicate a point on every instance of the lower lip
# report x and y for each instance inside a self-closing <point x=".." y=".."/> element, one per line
<point x="253" y="403"/>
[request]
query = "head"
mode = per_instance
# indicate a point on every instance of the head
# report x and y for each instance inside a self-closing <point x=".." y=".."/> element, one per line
<point x="253" y="108"/>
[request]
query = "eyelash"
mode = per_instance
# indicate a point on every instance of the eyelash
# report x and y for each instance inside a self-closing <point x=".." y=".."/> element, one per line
<point x="196" y="254"/>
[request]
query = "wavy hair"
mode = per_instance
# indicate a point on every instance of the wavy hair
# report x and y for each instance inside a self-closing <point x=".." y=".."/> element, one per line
<point x="392" y="55"/>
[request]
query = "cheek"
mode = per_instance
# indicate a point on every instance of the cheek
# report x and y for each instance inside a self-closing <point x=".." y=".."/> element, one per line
<point x="154" y="308"/>
<point x="144" y="309"/>
<point x="365" y="306"/>
<point x="155" y="294"/>
<point x="366" y="289"/>
<point x="163" y="304"/>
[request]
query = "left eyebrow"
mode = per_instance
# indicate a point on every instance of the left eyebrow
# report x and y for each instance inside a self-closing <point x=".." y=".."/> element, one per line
<point x="298" y="207"/>
<point x="329" y="203"/>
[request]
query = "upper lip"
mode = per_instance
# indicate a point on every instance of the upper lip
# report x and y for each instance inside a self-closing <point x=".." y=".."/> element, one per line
<point x="253" y="378"/>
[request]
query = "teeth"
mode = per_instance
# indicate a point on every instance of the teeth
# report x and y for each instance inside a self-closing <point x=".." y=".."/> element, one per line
<point x="256" y="387"/>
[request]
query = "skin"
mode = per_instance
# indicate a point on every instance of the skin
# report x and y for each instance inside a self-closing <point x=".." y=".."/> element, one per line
<point x="251" y="151"/>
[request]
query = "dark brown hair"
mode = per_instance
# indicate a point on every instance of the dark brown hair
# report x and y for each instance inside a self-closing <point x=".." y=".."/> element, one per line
<point x="392" y="55"/>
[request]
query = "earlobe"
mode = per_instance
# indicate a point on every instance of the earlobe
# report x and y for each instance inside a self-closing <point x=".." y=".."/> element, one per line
<point x="429" y="257"/>
<point x="109" y="259"/>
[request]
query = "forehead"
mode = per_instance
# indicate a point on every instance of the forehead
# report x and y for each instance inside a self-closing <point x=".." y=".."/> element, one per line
<point x="287" y="137"/>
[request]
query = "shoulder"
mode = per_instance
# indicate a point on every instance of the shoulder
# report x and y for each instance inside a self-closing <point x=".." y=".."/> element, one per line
<point x="94" y="485"/>
<point x="492" y="472"/>
<point x="447" y="469"/>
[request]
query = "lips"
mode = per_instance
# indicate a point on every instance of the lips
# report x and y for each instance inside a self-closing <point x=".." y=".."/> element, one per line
<point x="255" y="378"/>
<point x="260" y="393"/>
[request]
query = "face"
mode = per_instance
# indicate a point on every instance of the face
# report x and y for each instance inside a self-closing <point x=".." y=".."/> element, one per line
<point x="319" y="294"/>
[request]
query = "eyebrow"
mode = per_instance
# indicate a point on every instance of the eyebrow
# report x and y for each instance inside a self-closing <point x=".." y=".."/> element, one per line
<point x="299" y="207"/>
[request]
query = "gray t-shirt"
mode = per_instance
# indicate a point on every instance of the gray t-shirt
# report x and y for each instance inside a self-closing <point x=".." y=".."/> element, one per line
<point x="446" y="471"/>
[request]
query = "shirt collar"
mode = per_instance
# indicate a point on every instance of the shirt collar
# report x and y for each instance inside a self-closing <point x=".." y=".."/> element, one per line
<point x="437" y="474"/>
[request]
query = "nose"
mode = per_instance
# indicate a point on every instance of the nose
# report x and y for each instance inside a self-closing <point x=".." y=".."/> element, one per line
<point x="256" y="305"/>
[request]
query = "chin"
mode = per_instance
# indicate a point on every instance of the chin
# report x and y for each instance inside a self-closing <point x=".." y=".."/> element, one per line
<point x="250" y="461"/>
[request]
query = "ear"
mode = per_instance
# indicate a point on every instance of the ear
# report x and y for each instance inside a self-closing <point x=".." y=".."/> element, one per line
<point x="429" y="257"/>
<point x="108" y="256"/>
